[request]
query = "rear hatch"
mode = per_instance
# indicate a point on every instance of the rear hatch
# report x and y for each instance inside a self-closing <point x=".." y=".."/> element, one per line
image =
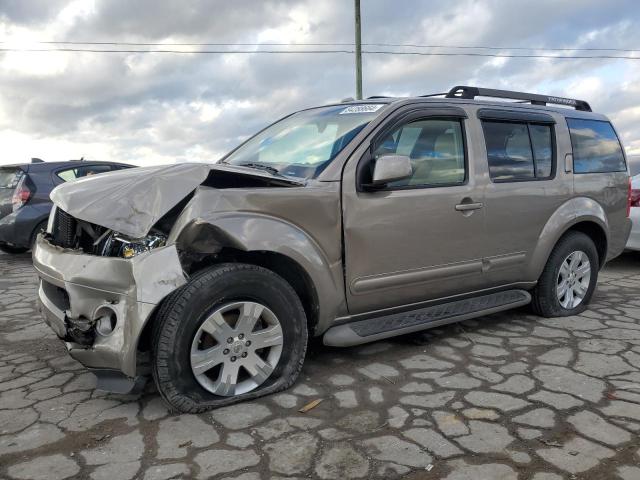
<point x="9" y="179"/>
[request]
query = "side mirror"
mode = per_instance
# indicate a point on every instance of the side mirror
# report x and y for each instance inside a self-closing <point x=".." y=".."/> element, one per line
<point x="391" y="168"/>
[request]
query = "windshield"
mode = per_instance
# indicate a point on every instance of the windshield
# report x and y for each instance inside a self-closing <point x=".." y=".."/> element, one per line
<point x="303" y="144"/>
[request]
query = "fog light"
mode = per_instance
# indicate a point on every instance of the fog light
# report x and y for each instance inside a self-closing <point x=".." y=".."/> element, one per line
<point x="106" y="322"/>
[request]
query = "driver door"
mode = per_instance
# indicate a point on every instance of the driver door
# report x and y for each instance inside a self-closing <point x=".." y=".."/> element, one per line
<point x="420" y="238"/>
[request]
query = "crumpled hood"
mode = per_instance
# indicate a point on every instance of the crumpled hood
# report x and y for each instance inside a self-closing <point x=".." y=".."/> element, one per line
<point x="129" y="201"/>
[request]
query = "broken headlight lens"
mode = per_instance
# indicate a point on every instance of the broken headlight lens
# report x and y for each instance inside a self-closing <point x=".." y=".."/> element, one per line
<point x="122" y="246"/>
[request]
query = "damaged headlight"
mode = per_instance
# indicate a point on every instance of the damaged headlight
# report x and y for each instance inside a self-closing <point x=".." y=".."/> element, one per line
<point x="118" y="245"/>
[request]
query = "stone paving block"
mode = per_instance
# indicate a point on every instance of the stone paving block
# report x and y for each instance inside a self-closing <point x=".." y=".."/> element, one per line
<point x="12" y="421"/>
<point x="433" y="442"/>
<point x="565" y="380"/>
<point x="594" y="426"/>
<point x="393" y="449"/>
<point x="177" y="434"/>
<point x="215" y="462"/>
<point x="341" y="462"/>
<point x="559" y="401"/>
<point x="517" y="384"/>
<point x="166" y="471"/>
<point x="120" y="449"/>
<point x="499" y="401"/>
<point x="540" y="417"/>
<point x="450" y="424"/>
<point x="576" y="456"/>
<point x="292" y="454"/>
<point x="461" y="470"/>
<point x="50" y="467"/>
<point x="485" y="437"/>
<point x="243" y="415"/>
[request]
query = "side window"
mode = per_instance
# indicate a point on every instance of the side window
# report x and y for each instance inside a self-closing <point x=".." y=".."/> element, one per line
<point x="67" y="175"/>
<point x="518" y="151"/>
<point x="596" y="148"/>
<point x="83" y="171"/>
<point x="89" y="170"/>
<point x="436" y="150"/>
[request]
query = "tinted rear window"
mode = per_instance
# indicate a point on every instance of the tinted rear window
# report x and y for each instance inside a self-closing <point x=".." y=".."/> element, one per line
<point x="518" y="151"/>
<point x="9" y="177"/>
<point x="596" y="148"/>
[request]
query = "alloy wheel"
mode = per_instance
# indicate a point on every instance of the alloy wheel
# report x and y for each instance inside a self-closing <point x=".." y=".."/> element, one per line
<point x="236" y="348"/>
<point x="573" y="279"/>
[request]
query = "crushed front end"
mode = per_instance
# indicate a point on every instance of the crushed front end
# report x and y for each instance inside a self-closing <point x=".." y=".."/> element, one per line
<point x="98" y="288"/>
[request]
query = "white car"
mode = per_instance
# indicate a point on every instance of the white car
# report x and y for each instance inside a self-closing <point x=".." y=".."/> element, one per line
<point x="634" y="238"/>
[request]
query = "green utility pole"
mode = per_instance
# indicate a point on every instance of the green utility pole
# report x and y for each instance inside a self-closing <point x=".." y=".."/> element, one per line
<point x="358" y="53"/>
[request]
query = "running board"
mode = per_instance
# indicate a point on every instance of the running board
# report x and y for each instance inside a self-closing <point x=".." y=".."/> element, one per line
<point x="377" y="328"/>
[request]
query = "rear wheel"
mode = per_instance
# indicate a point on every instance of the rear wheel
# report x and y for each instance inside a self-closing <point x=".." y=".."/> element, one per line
<point x="233" y="332"/>
<point x="569" y="278"/>
<point x="9" y="249"/>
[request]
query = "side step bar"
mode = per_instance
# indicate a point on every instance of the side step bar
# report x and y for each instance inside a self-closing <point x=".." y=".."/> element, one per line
<point x="377" y="328"/>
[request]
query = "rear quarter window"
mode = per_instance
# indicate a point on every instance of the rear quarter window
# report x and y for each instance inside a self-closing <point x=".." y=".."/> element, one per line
<point x="596" y="147"/>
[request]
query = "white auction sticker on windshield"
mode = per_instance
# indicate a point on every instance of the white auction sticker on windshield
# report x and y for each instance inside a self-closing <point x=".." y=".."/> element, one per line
<point x="367" y="108"/>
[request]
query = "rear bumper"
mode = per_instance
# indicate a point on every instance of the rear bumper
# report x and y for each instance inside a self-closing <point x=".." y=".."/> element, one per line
<point x="634" y="238"/>
<point x="78" y="289"/>
<point x="17" y="227"/>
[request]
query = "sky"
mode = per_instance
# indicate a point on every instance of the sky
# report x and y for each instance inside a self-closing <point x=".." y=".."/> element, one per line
<point x="152" y="108"/>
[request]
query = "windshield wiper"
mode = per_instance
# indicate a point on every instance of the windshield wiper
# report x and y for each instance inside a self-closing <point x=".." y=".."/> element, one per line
<point x="261" y="166"/>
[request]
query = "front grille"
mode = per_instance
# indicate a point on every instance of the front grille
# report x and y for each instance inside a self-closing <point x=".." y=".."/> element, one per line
<point x="65" y="229"/>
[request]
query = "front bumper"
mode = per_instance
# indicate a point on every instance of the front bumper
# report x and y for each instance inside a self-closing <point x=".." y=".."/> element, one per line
<point x="634" y="238"/>
<point x="78" y="288"/>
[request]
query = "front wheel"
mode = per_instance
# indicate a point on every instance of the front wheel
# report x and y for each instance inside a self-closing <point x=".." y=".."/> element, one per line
<point x="233" y="332"/>
<point x="568" y="279"/>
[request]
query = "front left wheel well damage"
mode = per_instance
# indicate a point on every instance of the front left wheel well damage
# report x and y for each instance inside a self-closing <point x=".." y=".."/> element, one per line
<point x="280" y="264"/>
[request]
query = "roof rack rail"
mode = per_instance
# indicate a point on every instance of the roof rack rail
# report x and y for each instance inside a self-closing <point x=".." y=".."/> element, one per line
<point x="377" y="96"/>
<point x="470" y="93"/>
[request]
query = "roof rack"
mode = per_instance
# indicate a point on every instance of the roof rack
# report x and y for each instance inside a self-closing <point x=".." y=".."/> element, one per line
<point x="470" y="93"/>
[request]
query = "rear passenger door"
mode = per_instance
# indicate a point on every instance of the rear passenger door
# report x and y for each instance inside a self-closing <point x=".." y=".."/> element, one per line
<point x="525" y="187"/>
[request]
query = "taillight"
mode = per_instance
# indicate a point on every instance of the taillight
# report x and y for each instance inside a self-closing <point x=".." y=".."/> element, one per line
<point x="634" y="198"/>
<point x="21" y="195"/>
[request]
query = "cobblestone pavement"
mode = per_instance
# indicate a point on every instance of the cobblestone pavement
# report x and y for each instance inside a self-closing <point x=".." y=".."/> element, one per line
<point x="510" y="396"/>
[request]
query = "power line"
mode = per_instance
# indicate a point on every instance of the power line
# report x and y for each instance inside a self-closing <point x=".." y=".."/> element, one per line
<point x="333" y="44"/>
<point x="370" y="52"/>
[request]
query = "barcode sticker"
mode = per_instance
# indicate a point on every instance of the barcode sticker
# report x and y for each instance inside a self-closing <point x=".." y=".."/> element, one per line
<point x="367" y="108"/>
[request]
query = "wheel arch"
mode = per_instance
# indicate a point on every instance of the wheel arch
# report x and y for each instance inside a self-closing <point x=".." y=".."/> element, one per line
<point x="579" y="214"/>
<point x="280" y="264"/>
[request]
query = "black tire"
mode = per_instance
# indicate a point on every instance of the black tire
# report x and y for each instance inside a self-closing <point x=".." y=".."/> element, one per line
<point x="545" y="300"/>
<point x="9" y="249"/>
<point x="182" y="313"/>
<point x="34" y="235"/>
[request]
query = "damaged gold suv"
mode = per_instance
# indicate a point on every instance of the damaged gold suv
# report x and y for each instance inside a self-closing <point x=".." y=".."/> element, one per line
<point x="355" y="222"/>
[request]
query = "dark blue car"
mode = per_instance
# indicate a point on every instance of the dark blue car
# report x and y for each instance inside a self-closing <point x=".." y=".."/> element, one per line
<point x="24" y="196"/>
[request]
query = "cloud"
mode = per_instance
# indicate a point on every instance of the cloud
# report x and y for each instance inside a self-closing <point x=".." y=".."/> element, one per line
<point x="151" y="108"/>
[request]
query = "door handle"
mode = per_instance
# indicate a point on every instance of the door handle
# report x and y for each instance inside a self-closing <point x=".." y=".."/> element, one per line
<point x="465" y="207"/>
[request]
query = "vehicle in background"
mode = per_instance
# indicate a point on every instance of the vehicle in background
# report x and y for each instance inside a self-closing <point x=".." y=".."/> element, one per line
<point x="355" y="221"/>
<point x="24" y="196"/>
<point x="634" y="214"/>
